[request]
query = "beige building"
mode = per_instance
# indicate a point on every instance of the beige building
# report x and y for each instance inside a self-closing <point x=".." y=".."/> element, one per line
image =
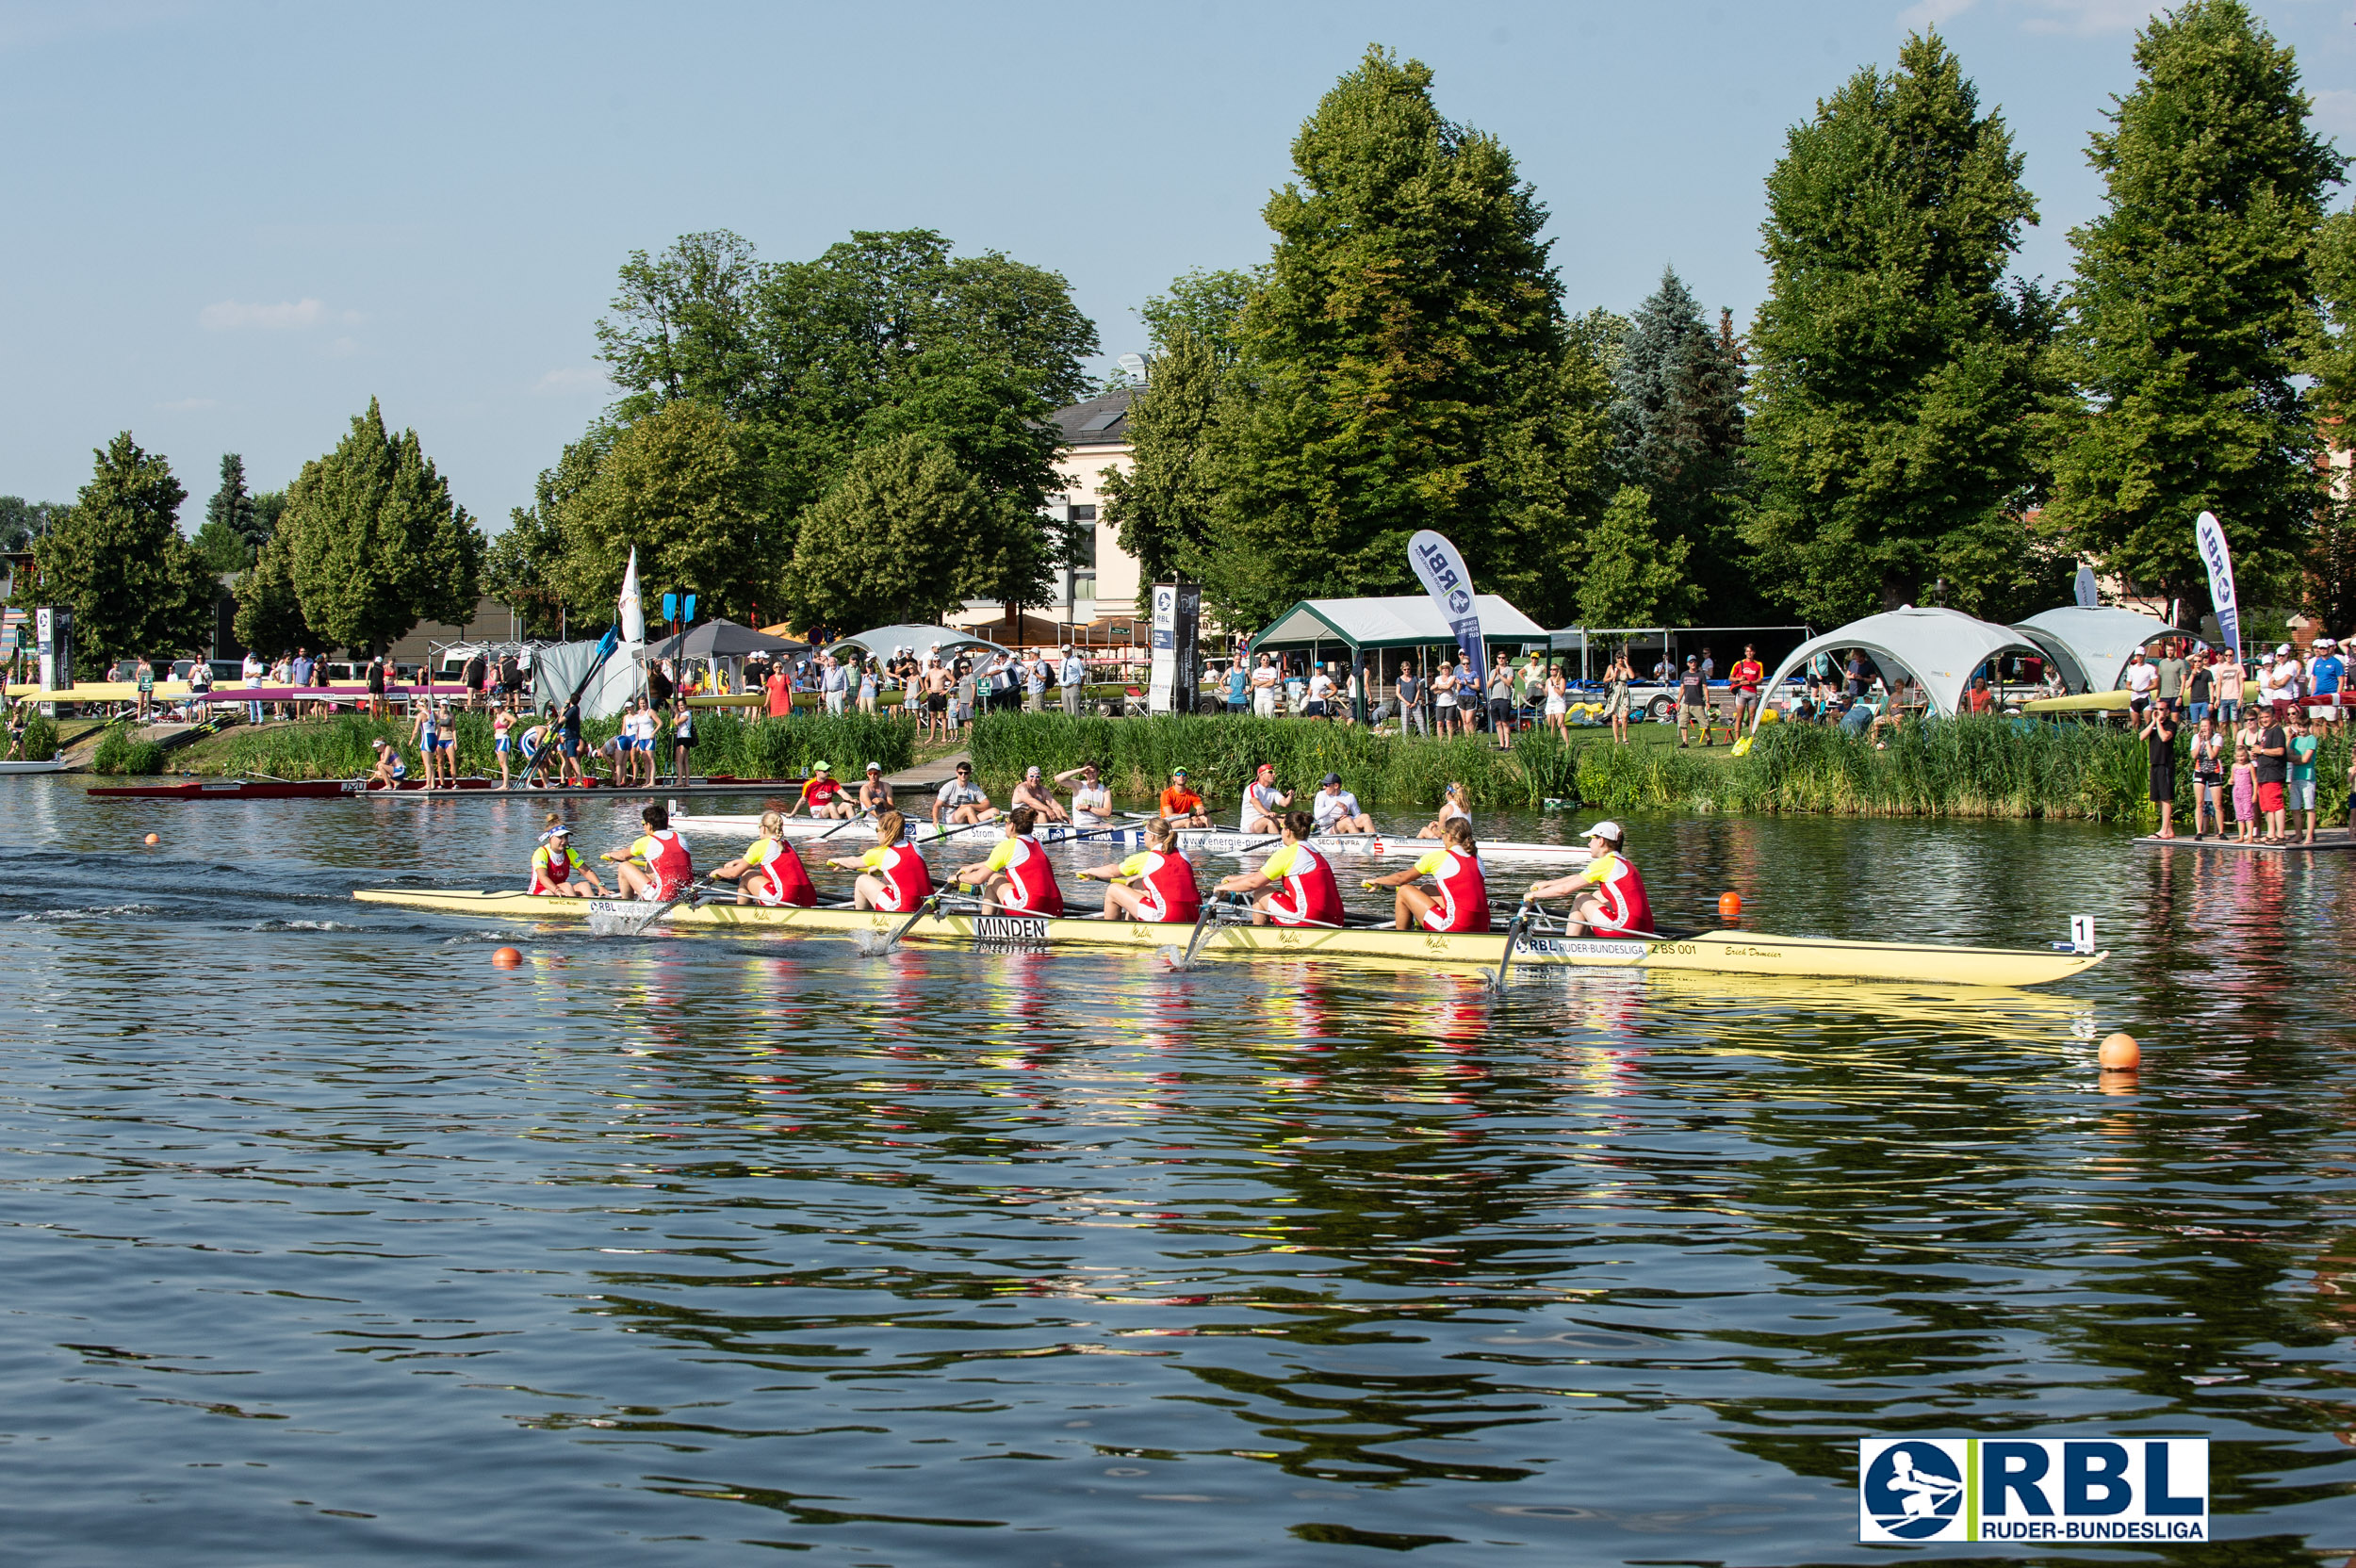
<point x="1102" y="583"/>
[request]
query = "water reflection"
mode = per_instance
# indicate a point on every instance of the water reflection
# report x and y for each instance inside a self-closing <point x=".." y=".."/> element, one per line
<point x="714" y="1245"/>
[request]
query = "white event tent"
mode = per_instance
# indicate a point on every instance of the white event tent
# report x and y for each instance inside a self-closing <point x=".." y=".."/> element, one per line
<point x="2092" y="645"/>
<point x="1940" y="648"/>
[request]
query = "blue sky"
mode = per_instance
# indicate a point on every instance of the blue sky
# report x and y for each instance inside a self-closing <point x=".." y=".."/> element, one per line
<point x="230" y="225"/>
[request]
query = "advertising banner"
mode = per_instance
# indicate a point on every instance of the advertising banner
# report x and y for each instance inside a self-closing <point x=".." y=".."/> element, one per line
<point x="1442" y="572"/>
<point x="2209" y="534"/>
<point x="1177" y="629"/>
<point x="2028" y="1489"/>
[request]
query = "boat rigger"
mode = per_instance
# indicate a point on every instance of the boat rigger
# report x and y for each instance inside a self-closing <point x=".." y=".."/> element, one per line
<point x="1738" y="953"/>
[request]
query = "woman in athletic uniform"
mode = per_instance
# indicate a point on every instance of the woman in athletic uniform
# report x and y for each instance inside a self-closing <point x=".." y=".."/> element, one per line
<point x="1606" y="898"/>
<point x="1017" y="878"/>
<point x="769" y="872"/>
<point x="893" y="877"/>
<point x="656" y="867"/>
<point x="1156" y="885"/>
<point x="1455" y="805"/>
<point x="1300" y="886"/>
<point x="1461" y="900"/>
<point x="389" y="770"/>
<point x="683" y="738"/>
<point x="422" y="733"/>
<point x="502" y="740"/>
<point x="557" y="871"/>
<point x="1091" y="803"/>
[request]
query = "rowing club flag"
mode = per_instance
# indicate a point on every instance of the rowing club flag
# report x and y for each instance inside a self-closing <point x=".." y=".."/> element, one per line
<point x="1442" y="572"/>
<point x="634" y="614"/>
<point x="2209" y="534"/>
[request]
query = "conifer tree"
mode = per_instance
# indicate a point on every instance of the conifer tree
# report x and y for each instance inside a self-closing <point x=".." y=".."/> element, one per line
<point x="227" y="539"/>
<point x="2190" y="306"/>
<point x="1406" y="365"/>
<point x="269" y="612"/>
<point x="117" y="560"/>
<point x="374" y="543"/>
<point x="1896" y="374"/>
<point x="1676" y="425"/>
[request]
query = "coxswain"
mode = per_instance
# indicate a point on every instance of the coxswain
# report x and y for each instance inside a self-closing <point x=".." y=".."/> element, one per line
<point x="1336" y="810"/>
<point x="1180" y="805"/>
<point x="1461" y="901"/>
<point x="823" y="793"/>
<point x="558" y="871"/>
<point x="1264" y="804"/>
<point x="1091" y="803"/>
<point x="893" y="877"/>
<point x="874" y="794"/>
<point x="389" y="770"/>
<point x="1455" y="805"/>
<point x="1607" y="898"/>
<point x="1156" y="885"/>
<point x="656" y="866"/>
<point x="1016" y="878"/>
<point x="769" y="872"/>
<point x="1301" y="889"/>
<point x="1035" y="792"/>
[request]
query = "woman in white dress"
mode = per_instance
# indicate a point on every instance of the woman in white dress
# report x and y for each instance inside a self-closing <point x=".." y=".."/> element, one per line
<point x="1558" y="702"/>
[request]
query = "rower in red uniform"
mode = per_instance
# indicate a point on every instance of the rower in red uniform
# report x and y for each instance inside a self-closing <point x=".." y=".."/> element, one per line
<point x="893" y="877"/>
<point x="556" y="869"/>
<point x="1302" y="889"/>
<point x="1016" y="879"/>
<point x="1454" y="867"/>
<point x="1607" y="898"/>
<point x="823" y="793"/>
<point x="769" y="872"/>
<point x="655" y="868"/>
<point x="1159" y="889"/>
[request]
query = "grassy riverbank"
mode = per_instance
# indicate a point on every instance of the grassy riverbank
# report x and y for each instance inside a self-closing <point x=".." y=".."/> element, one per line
<point x="341" y="748"/>
<point x="1968" y="767"/>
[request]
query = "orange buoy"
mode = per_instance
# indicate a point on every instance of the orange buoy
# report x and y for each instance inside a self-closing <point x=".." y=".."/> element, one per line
<point x="2119" y="1054"/>
<point x="506" y="957"/>
<point x="1729" y="905"/>
<point x="154" y="839"/>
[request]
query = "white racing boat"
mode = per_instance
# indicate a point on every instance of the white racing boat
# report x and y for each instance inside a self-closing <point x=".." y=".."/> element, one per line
<point x="1123" y="836"/>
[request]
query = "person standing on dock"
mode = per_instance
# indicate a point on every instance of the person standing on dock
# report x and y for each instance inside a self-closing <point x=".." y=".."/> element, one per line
<point x="2272" y="756"/>
<point x="2300" y="787"/>
<point x="2141" y="678"/>
<point x="2208" y="772"/>
<point x="2159" y="735"/>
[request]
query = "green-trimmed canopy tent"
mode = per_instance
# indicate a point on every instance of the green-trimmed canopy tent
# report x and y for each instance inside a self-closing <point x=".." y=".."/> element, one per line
<point x="1376" y="625"/>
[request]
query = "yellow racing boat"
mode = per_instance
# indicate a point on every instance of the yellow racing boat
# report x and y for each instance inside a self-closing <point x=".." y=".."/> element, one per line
<point x="1706" y="952"/>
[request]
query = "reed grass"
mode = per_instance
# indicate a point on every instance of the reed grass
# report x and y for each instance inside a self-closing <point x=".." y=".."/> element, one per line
<point x="1963" y="767"/>
<point x="342" y="747"/>
<point x="119" y="754"/>
<point x="41" y="738"/>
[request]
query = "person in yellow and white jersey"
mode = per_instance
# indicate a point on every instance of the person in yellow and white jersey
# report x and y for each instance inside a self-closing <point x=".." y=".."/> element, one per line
<point x="893" y="877"/>
<point x="769" y="872"/>
<point x="1459" y="899"/>
<point x="1156" y="885"/>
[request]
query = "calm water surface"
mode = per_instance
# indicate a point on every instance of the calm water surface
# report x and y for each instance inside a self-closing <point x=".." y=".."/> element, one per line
<point x="327" y="1242"/>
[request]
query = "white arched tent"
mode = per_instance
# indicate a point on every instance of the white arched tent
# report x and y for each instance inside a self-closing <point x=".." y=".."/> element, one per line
<point x="2092" y="645"/>
<point x="1940" y="648"/>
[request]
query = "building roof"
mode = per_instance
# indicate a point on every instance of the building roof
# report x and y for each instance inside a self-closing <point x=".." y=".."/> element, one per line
<point x="1407" y="621"/>
<point x="2091" y="646"/>
<point x="1100" y="421"/>
<point x="1939" y="647"/>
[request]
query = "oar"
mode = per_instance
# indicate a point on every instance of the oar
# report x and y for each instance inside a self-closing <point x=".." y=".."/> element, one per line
<point x="839" y="828"/>
<point x="1505" y="963"/>
<point x="931" y="905"/>
<point x="1209" y="915"/>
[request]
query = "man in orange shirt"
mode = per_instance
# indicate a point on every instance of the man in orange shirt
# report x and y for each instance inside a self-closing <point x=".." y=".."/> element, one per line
<point x="1181" y="806"/>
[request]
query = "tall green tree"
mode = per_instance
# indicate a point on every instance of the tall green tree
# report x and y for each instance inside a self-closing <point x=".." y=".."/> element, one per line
<point x="2332" y="361"/>
<point x="2190" y="306"/>
<point x="1161" y="507"/>
<point x="22" y="521"/>
<point x="117" y="560"/>
<point x="674" y="486"/>
<point x="1678" y="432"/>
<point x="890" y="542"/>
<point x="375" y="542"/>
<point x="524" y="568"/>
<point x="1634" y="576"/>
<point x="1206" y="302"/>
<point x="1898" y="376"/>
<point x="270" y="611"/>
<point x="227" y="540"/>
<point x="1406" y="366"/>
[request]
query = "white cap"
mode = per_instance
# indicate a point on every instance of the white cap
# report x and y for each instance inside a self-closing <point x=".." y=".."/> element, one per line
<point x="875" y="767"/>
<point x="1606" y="829"/>
<point x="2284" y="648"/>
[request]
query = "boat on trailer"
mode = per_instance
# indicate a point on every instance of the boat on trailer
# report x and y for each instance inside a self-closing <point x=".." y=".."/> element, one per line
<point x="1722" y="952"/>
